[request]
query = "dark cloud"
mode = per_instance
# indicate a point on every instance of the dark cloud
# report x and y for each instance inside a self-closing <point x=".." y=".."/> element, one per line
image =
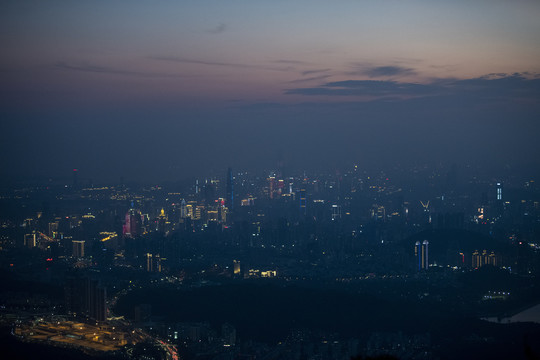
<point x="385" y="71"/>
<point x="373" y="71"/>
<point x="110" y="70"/>
<point x="515" y="86"/>
<point x="503" y="87"/>
<point x="218" y="29"/>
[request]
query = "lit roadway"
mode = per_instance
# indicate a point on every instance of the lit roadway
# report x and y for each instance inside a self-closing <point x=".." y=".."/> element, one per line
<point x="169" y="349"/>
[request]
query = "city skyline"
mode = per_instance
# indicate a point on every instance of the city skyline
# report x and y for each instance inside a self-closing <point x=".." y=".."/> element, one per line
<point x="429" y="260"/>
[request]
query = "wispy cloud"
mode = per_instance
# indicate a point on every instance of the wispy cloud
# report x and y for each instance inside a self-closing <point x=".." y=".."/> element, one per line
<point x="291" y="62"/>
<point x="89" y="68"/>
<point x="183" y="60"/>
<point x="314" y="78"/>
<point x="364" y="87"/>
<point x="218" y="29"/>
<point x="317" y="71"/>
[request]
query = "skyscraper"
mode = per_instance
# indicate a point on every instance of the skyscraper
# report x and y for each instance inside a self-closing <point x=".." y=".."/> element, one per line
<point x="30" y="240"/>
<point x="421" y="254"/>
<point x="183" y="209"/>
<point x="78" y="248"/>
<point x="133" y="223"/>
<point x="303" y="202"/>
<point x="97" y="301"/>
<point x="336" y="212"/>
<point x="230" y="190"/>
<point x="85" y="297"/>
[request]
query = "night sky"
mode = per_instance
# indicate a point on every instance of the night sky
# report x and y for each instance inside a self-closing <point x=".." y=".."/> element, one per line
<point x="169" y="90"/>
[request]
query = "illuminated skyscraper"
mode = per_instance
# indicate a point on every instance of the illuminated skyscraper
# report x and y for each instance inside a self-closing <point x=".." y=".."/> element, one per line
<point x="78" y="248"/>
<point x="425" y="259"/>
<point x="236" y="267"/>
<point x="149" y="262"/>
<point x="161" y="222"/>
<point x="484" y="258"/>
<point x="133" y="223"/>
<point x="153" y="263"/>
<point x="183" y="209"/>
<point x="336" y="212"/>
<point x="378" y="212"/>
<point x="303" y="201"/>
<point x="421" y="254"/>
<point x="30" y="240"/>
<point x="271" y="186"/>
<point x="499" y="190"/>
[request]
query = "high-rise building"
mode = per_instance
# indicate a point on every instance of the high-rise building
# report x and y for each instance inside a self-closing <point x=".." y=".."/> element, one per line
<point x="210" y="190"/>
<point x="271" y="186"/>
<point x="53" y="229"/>
<point x="85" y="298"/>
<point x="236" y="269"/>
<point x="133" y="223"/>
<point x="223" y="211"/>
<point x="161" y="222"/>
<point x="78" y="248"/>
<point x="75" y="295"/>
<point x="425" y="258"/>
<point x="199" y="212"/>
<point x="484" y="258"/>
<point x="183" y="209"/>
<point x="228" y="334"/>
<point x="153" y="263"/>
<point x="97" y="301"/>
<point x="378" y="212"/>
<point x="303" y="202"/>
<point x="336" y="212"/>
<point x="499" y="189"/>
<point x="421" y="254"/>
<point x="149" y="262"/>
<point x="189" y="211"/>
<point x="229" y="202"/>
<point x="30" y="240"/>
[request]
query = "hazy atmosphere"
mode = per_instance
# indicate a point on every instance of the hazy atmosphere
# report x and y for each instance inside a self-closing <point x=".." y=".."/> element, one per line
<point x="154" y="90"/>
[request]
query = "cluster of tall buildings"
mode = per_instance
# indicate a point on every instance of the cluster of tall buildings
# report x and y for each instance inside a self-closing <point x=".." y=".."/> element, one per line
<point x="421" y="253"/>
<point x="85" y="297"/>
<point x="480" y="259"/>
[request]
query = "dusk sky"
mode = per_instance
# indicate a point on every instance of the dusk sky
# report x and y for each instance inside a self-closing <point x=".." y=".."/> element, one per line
<point x="167" y="90"/>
